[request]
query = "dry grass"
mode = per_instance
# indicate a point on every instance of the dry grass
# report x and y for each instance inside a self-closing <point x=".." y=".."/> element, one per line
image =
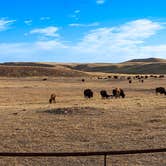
<point x="30" y="124"/>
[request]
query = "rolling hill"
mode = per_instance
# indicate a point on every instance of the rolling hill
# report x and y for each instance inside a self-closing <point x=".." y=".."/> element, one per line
<point x="135" y="66"/>
<point x="148" y="60"/>
<point x="37" y="69"/>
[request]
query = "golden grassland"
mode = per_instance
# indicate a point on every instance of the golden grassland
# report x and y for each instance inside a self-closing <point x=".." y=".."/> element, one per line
<point x="30" y="124"/>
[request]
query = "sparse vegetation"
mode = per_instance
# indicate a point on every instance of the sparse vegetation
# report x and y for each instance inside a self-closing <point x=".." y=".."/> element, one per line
<point x="29" y="123"/>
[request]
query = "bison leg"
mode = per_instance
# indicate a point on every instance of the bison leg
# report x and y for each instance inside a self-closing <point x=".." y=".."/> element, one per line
<point x="50" y="101"/>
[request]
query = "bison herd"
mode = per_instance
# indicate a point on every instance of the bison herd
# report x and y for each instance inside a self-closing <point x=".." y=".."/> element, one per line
<point x="117" y="93"/>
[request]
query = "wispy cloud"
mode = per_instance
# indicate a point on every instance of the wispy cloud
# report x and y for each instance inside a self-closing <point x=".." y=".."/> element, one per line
<point x="28" y="22"/>
<point x="106" y="44"/>
<point x="84" y="25"/>
<point x="45" y="18"/>
<point x="5" y="24"/>
<point x="75" y="14"/>
<point x="100" y="2"/>
<point x="134" y="32"/>
<point x="50" y="31"/>
<point x="77" y="11"/>
<point x="125" y="41"/>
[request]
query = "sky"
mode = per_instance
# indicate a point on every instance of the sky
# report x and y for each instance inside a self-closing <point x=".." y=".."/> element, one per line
<point x="82" y="30"/>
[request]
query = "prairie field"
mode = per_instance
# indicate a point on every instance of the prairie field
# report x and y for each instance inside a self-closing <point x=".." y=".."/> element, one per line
<point x="75" y="124"/>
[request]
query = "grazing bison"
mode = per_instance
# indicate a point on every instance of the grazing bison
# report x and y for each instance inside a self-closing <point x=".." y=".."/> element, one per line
<point x="130" y="81"/>
<point x="118" y="92"/>
<point x="99" y="78"/>
<point x="104" y="94"/>
<point x="161" y="76"/>
<point x="88" y="93"/>
<point x="129" y="78"/>
<point x="115" y="77"/>
<point x="160" y="90"/>
<point x="52" y="98"/>
<point x="83" y="80"/>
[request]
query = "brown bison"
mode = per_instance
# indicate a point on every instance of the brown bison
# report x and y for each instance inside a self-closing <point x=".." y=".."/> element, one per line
<point x="118" y="92"/>
<point x="160" y="90"/>
<point x="52" y="98"/>
<point x="88" y="93"/>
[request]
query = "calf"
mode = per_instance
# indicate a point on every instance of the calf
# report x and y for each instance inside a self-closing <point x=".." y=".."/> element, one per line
<point x="52" y="98"/>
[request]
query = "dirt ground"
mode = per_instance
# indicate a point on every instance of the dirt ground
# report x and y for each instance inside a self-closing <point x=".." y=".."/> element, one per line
<point x="30" y="124"/>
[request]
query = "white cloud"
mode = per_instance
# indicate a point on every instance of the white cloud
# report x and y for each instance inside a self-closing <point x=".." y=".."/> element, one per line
<point x="35" y="51"/>
<point x="5" y="24"/>
<point x="100" y="2"/>
<point x="45" y="18"/>
<point x="107" y="44"/>
<point x="49" y="45"/>
<point x="28" y="22"/>
<point x="75" y="15"/>
<point x="129" y="34"/>
<point x="50" y="31"/>
<point x="77" y="11"/>
<point x="121" y="42"/>
<point x="84" y="25"/>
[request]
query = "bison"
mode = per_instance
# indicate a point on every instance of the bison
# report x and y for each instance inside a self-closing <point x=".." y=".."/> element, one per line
<point x="88" y="93"/>
<point x="161" y="76"/>
<point x="104" y="94"/>
<point x="160" y="90"/>
<point x="52" y="98"/>
<point x="115" y="77"/>
<point x="129" y="78"/>
<point x="118" y="92"/>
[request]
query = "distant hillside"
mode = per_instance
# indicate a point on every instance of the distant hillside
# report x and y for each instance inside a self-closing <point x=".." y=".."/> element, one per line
<point x="136" y="66"/>
<point x="148" y="60"/>
<point x="26" y="64"/>
<point x="29" y="71"/>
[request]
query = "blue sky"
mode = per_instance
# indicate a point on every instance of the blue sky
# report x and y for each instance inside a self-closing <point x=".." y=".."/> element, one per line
<point x="82" y="30"/>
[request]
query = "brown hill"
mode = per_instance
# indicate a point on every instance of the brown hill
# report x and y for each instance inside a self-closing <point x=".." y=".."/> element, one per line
<point x="136" y="66"/>
<point x="148" y="60"/>
<point x="29" y="71"/>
